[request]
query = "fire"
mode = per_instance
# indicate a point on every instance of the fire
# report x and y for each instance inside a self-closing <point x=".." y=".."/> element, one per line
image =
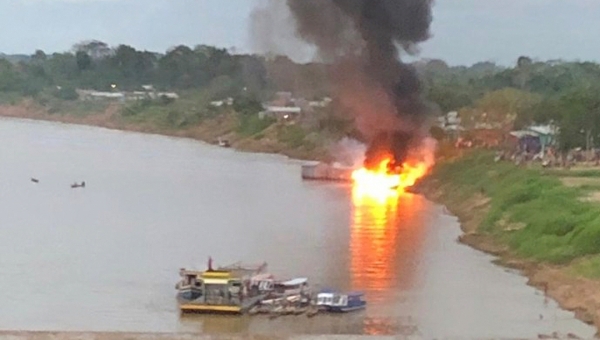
<point x="380" y="182"/>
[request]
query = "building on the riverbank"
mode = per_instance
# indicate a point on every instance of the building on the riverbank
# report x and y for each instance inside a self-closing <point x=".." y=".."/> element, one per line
<point x="123" y="96"/>
<point x="535" y="139"/>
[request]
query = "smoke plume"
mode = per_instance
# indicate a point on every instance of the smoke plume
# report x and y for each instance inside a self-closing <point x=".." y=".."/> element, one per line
<point x="361" y="40"/>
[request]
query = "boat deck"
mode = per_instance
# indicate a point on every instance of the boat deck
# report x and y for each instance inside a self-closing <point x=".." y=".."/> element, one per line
<point x="248" y="303"/>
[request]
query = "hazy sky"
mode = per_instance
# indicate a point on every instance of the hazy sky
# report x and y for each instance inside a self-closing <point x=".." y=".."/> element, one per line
<point x="464" y="31"/>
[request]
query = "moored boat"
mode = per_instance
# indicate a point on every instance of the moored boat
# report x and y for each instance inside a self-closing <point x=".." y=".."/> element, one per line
<point x="190" y="287"/>
<point x="293" y="287"/>
<point x="340" y="302"/>
<point x="222" y="290"/>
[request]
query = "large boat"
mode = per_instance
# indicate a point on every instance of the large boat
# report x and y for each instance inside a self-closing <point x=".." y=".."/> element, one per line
<point x="335" y="302"/>
<point x="226" y="289"/>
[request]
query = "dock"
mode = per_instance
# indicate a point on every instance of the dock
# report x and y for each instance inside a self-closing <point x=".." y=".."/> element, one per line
<point x="326" y="172"/>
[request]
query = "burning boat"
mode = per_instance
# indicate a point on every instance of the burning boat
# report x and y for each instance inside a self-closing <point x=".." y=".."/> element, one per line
<point x="223" y="290"/>
<point x="326" y="172"/>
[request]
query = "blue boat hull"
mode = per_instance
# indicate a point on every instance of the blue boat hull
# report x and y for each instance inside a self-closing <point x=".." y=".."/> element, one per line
<point x="346" y="309"/>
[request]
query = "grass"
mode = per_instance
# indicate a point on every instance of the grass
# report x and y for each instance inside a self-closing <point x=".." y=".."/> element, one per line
<point x="558" y="226"/>
<point x="588" y="267"/>
<point x="252" y="125"/>
<point x="575" y="173"/>
<point x="292" y="135"/>
<point x="10" y="98"/>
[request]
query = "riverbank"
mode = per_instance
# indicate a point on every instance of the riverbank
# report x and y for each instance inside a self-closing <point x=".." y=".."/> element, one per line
<point x="541" y="222"/>
<point x="18" y="335"/>
<point x="271" y="137"/>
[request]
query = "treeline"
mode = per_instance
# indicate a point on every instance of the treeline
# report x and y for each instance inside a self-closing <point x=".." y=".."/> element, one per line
<point x="565" y="93"/>
<point x="95" y="65"/>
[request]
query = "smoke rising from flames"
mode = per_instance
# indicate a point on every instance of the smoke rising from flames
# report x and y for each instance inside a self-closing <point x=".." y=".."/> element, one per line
<point x="361" y="40"/>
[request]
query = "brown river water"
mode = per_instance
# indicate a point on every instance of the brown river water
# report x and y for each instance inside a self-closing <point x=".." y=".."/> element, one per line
<point x="106" y="257"/>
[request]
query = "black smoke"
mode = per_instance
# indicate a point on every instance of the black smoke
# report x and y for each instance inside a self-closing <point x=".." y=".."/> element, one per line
<point x="362" y="40"/>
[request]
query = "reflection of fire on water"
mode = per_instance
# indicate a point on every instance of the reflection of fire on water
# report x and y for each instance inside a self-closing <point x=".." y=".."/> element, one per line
<point x="373" y="237"/>
<point x="386" y="233"/>
<point x="386" y="236"/>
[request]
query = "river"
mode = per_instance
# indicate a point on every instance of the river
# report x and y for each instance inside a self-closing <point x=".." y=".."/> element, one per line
<point x="106" y="257"/>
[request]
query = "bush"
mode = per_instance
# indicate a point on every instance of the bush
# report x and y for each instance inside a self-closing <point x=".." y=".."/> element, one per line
<point x="66" y="93"/>
<point x="292" y="135"/>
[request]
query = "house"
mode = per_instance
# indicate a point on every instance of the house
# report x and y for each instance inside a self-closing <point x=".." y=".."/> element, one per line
<point x="99" y="95"/>
<point x="219" y="103"/>
<point x="546" y="133"/>
<point x="170" y="95"/>
<point x="526" y="141"/>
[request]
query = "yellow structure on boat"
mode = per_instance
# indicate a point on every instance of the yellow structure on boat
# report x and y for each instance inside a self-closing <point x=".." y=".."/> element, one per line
<point x="224" y="290"/>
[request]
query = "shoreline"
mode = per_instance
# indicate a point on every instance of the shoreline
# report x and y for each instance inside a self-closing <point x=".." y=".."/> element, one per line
<point x="206" y="132"/>
<point x="575" y="294"/>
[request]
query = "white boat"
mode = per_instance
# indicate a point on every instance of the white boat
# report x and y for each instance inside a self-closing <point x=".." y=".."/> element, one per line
<point x="297" y="286"/>
<point x="340" y="302"/>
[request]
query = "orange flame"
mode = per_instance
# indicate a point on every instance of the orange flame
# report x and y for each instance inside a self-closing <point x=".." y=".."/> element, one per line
<point x="380" y="183"/>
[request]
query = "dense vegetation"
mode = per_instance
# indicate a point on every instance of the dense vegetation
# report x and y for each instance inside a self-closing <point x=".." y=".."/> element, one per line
<point x="566" y="93"/>
<point x="94" y="65"/>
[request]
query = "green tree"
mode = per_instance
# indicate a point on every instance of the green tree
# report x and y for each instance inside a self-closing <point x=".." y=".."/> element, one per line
<point x="580" y="120"/>
<point x="508" y="105"/>
<point x="247" y="105"/>
<point x="66" y="93"/>
<point x="182" y="68"/>
<point x="39" y="56"/>
<point x="84" y="61"/>
<point x="10" y="79"/>
<point x="95" y="49"/>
